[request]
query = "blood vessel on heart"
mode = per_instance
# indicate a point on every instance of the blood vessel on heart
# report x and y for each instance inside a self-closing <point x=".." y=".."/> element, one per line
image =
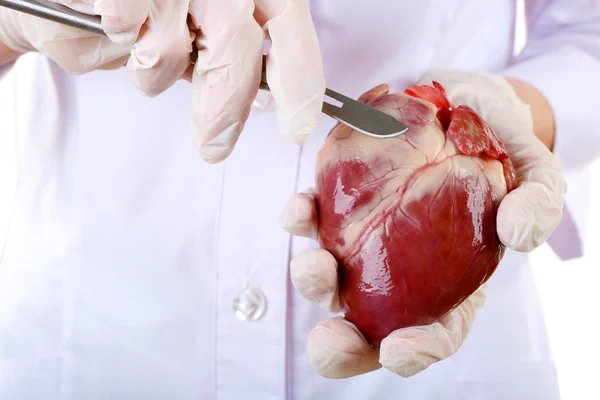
<point x="412" y="220"/>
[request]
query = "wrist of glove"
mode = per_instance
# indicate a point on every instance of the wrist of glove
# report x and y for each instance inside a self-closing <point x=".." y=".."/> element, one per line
<point x="525" y="219"/>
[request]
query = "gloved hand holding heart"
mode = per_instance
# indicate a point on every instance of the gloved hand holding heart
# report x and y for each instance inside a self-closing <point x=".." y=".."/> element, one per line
<point x="411" y="228"/>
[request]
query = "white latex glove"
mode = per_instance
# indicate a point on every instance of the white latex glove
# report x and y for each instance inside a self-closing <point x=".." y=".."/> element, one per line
<point x="157" y="29"/>
<point x="227" y="73"/>
<point x="526" y="217"/>
<point x="230" y="36"/>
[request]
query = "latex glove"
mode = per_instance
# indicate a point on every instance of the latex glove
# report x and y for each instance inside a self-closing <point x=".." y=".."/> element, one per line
<point x="157" y="29"/>
<point x="226" y="75"/>
<point x="526" y="217"/>
<point x="230" y="36"/>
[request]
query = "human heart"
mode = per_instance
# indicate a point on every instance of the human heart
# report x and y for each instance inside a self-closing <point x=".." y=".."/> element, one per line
<point x="412" y="220"/>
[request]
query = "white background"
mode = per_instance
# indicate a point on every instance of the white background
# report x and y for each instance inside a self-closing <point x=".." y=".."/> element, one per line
<point x="569" y="290"/>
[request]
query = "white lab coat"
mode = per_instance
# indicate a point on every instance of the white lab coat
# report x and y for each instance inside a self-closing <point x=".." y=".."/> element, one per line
<point x="125" y="251"/>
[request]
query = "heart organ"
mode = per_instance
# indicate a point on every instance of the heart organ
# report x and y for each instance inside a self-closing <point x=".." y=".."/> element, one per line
<point x="412" y="220"/>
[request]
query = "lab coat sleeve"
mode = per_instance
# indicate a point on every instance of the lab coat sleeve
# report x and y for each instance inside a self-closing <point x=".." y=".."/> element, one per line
<point x="562" y="60"/>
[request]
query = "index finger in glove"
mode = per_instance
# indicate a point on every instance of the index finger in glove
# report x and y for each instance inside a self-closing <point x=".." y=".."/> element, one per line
<point x="528" y="215"/>
<point x="226" y="75"/>
<point x="294" y="66"/>
<point x="157" y="60"/>
<point x="162" y="51"/>
<point x="409" y="351"/>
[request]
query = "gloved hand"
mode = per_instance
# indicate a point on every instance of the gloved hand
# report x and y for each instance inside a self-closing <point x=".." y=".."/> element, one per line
<point x="230" y="36"/>
<point x="526" y="218"/>
<point x="154" y="63"/>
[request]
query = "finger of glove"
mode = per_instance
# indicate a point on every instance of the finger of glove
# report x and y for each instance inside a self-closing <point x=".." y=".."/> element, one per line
<point x="408" y="351"/>
<point x="314" y="273"/>
<point x="227" y="74"/>
<point x="294" y="66"/>
<point x="121" y="20"/>
<point x="299" y="215"/>
<point x="336" y="350"/>
<point x="162" y="52"/>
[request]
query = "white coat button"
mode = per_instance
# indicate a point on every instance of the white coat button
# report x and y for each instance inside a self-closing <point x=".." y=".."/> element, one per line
<point x="250" y="304"/>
